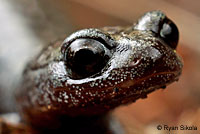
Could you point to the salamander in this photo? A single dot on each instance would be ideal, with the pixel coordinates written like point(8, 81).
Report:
point(74, 83)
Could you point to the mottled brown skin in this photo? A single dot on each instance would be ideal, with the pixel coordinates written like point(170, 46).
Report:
point(130, 63)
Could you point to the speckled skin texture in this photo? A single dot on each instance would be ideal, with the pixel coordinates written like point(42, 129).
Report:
point(141, 59)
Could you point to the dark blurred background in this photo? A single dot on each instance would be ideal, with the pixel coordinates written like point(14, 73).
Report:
point(26, 26)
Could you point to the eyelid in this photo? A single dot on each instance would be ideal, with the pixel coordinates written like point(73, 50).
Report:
point(91, 33)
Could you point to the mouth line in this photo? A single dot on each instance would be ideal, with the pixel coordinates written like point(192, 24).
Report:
point(139, 81)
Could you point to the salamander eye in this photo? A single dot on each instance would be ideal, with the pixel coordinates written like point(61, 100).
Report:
point(85, 57)
point(169, 33)
point(160, 25)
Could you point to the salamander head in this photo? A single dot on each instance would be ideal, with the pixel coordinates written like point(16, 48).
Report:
point(99, 69)
point(96, 70)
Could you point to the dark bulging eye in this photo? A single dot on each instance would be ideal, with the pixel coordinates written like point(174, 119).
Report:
point(161, 26)
point(169, 33)
point(85, 57)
